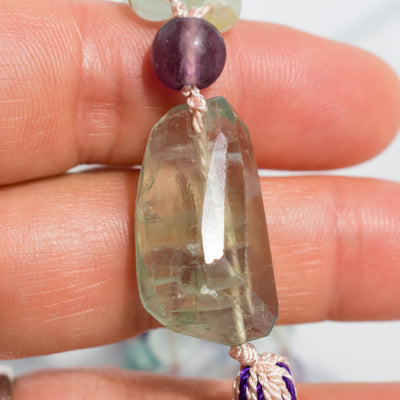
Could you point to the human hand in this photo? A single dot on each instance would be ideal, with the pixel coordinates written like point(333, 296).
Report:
point(77, 87)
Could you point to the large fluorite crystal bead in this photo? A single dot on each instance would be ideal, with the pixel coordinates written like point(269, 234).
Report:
point(203, 259)
point(223, 14)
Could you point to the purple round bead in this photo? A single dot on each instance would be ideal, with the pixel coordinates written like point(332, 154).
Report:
point(188, 51)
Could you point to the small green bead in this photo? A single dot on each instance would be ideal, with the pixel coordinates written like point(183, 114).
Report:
point(152, 10)
point(223, 15)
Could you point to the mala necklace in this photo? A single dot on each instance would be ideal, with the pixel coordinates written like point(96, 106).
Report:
point(203, 259)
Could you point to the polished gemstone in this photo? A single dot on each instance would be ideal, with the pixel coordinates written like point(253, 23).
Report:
point(223, 15)
point(188, 51)
point(202, 253)
point(152, 10)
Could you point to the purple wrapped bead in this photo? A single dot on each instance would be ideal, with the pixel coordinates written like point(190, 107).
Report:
point(188, 51)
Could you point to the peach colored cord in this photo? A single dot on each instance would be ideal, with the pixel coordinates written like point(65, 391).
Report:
point(195, 100)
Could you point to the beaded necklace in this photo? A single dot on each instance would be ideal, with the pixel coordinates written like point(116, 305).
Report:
point(203, 259)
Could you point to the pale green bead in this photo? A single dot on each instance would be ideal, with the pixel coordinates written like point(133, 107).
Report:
point(152, 10)
point(224, 13)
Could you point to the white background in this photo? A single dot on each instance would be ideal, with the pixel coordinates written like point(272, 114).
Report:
point(346, 351)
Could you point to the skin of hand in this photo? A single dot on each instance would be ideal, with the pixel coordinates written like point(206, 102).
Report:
point(77, 87)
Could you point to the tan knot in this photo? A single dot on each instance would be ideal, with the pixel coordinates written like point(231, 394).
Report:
point(196, 100)
point(200, 12)
point(197, 106)
point(178, 9)
point(246, 354)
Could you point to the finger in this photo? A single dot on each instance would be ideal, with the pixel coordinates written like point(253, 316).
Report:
point(119, 385)
point(67, 257)
point(78, 87)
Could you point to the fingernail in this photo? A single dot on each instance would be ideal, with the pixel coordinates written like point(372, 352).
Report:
point(6, 379)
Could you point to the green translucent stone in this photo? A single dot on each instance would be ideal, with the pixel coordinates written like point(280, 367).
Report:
point(224, 13)
point(152, 10)
point(203, 259)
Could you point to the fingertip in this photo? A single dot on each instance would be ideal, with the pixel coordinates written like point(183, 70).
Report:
point(378, 104)
point(89, 94)
point(310, 103)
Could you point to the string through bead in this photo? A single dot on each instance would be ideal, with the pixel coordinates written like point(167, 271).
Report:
point(200, 12)
point(195, 100)
point(261, 377)
point(178, 10)
point(197, 106)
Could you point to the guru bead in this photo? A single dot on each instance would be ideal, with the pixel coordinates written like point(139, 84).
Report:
point(188, 51)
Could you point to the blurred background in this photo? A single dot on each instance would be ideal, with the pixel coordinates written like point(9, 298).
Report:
point(322, 352)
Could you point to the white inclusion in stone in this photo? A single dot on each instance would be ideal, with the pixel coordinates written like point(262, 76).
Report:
point(205, 290)
point(213, 218)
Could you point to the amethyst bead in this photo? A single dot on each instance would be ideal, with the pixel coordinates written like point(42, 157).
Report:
point(188, 51)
